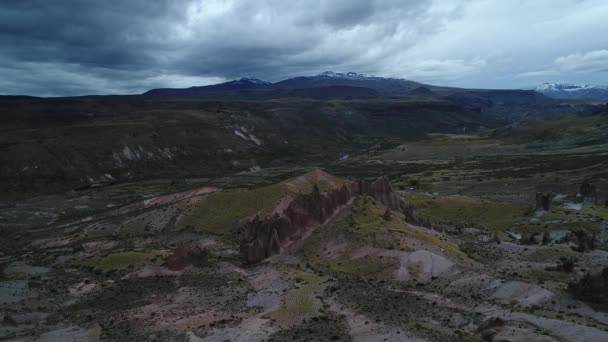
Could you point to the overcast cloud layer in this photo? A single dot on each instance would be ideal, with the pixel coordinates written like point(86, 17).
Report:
point(74, 47)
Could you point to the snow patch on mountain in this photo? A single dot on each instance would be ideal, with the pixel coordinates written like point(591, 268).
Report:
point(566, 90)
point(347, 75)
point(250, 80)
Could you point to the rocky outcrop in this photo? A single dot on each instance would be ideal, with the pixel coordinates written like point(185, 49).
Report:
point(584, 240)
point(545, 238)
point(531, 239)
point(565, 264)
point(592, 287)
point(382, 191)
point(581, 240)
point(587, 193)
point(543, 200)
point(266, 235)
point(184, 256)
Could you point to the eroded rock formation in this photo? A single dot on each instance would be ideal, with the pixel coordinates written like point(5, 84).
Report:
point(266, 235)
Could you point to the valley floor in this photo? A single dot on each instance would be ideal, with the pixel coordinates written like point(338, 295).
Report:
point(481, 258)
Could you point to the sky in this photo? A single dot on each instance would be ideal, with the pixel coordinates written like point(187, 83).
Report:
point(77, 47)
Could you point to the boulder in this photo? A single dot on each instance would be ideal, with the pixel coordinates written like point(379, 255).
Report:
point(184, 256)
point(490, 327)
point(387, 214)
point(488, 334)
point(592, 287)
point(566, 265)
point(584, 239)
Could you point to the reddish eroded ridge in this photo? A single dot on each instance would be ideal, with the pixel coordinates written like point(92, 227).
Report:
point(302, 211)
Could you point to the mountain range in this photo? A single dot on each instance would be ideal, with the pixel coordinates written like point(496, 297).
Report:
point(504, 104)
point(572, 91)
point(384, 86)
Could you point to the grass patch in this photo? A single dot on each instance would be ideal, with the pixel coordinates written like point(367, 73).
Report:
point(466, 211)
point(439, 332)
point(598, 211)
point(320, 329)
point(306, 186)
point(367, 221)
point(547, 276)
point(547, 254)
point(221, 210)
point(133, 228)
point(117, 261)
point(545, 226)
point(360, 266)
point(448, 247)
point(480, 253)
point(571, 317)
point(298, 303)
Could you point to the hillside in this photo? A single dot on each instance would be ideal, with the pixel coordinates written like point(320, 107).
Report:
point(208, 220)
point(291, 260)
point(50, 145)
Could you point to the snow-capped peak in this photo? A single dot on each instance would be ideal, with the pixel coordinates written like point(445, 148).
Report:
point(245, 80)
point(347, 75)
point(567, 86)
point(567, 90)
point(551, 86)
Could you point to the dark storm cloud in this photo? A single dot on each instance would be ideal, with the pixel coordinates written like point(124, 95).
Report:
point(270, 39)
point(95, 46)
point(94, 33)
point(69, 47)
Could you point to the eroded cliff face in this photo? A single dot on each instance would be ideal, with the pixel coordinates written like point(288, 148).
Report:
point(382, 191)
point(268, 235)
